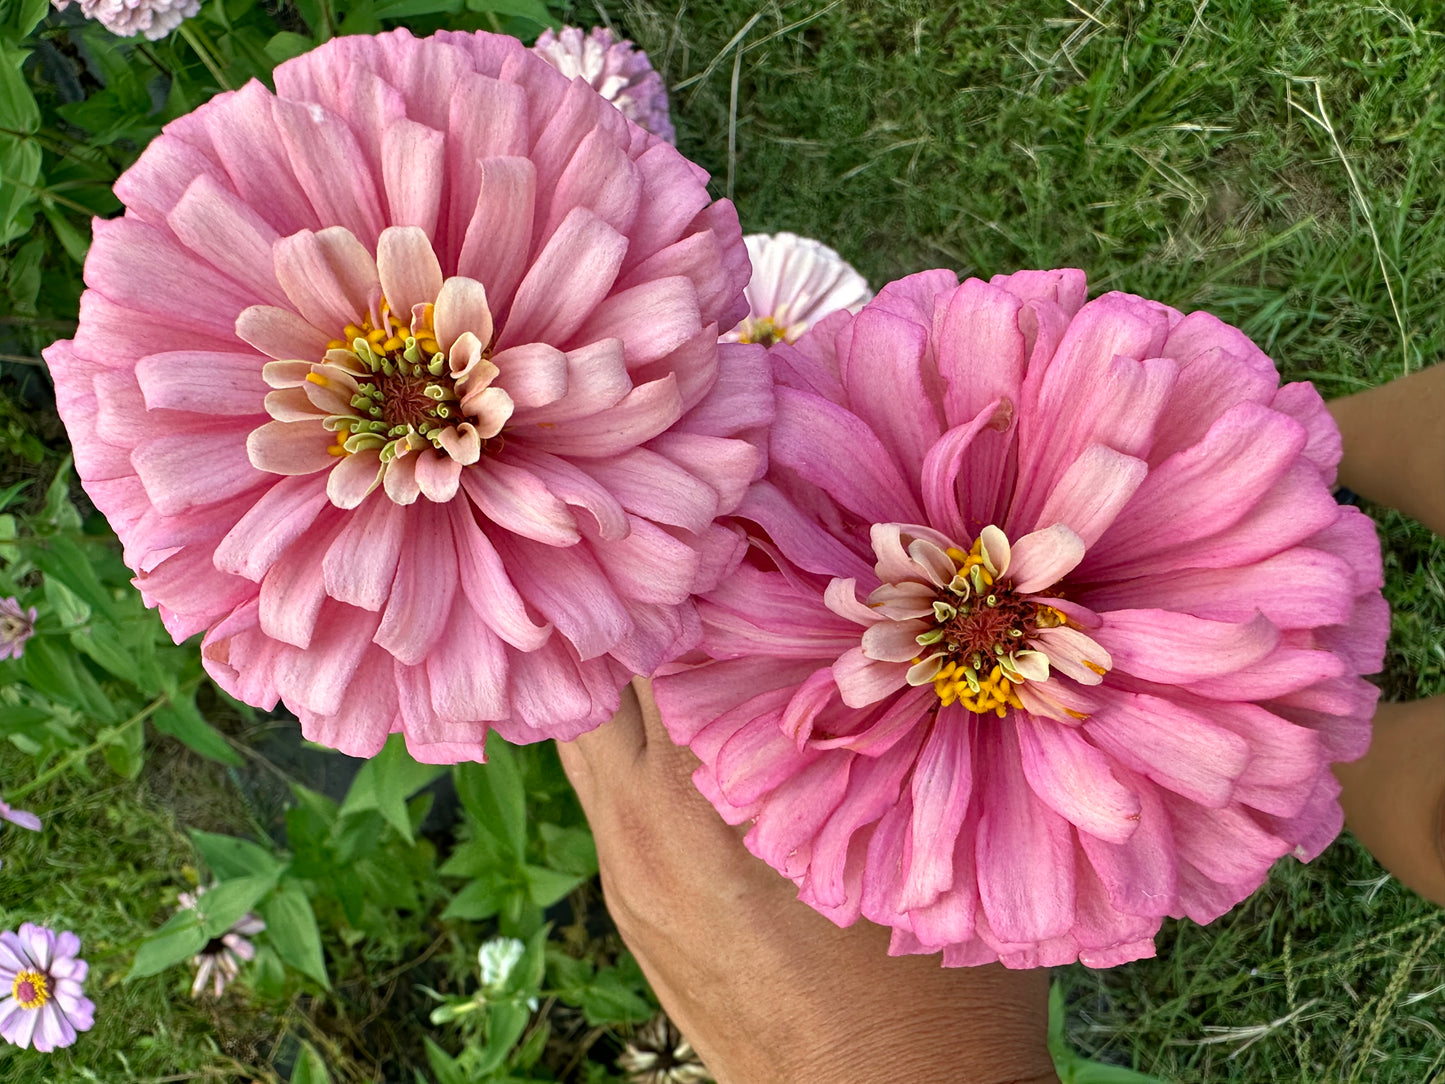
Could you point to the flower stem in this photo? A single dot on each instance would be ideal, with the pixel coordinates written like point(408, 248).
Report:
point(107, 737)
point(203, 50)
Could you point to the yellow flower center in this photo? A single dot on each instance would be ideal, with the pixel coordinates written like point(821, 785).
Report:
point(31, 989)
point(763, 330)
point(980, 628)
point(405, 387)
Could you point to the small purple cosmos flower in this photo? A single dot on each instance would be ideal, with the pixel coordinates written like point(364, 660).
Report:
point(40, 976)
point(220, 959)
point(16, 626)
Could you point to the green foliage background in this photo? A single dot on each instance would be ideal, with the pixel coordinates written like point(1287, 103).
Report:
point(1279, 164)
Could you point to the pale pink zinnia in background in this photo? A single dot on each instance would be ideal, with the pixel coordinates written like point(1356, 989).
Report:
point(41, 1002)
point(796, 281)
point(17, 625)
point(616, 69)
point(220, 959)
point(1053, 628)
point(403, 386)
point(126, 18)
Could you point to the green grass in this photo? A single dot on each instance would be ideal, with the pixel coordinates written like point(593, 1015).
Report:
point(1279, 164)
point(108, 865)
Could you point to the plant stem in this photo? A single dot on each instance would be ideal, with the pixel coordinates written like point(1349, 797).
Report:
point(108, 737)
point(203, 50)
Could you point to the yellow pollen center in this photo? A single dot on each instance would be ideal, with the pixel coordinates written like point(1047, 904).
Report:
point(981, 632)
point(31, 989)
point(764, 330)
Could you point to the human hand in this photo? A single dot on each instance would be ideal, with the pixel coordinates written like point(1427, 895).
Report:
point(768, 990)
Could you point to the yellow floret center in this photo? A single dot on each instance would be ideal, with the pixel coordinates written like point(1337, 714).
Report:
point(31, 989)
point(981, 626)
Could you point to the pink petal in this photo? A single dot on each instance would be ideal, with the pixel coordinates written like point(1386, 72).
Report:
point(461, 306)
point(421, 594)
point(567, 279)
point(487, 586)
point(290, 447)
point(1025, 851)
point(1173, 648)
point(499, 230)
point(1180, 749)
point(863, 681)
point(329, 276)
point(1090, 493)
point(1041, 559)
point(518, 500)
point(942, 785)
point(1074, 779)
point(835, 450)
point(280, 333)
point(408, 269)
point(411, 157)
point(360, 565)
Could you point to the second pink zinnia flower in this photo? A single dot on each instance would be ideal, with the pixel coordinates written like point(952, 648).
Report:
point(1054, 628)
point(402, 384)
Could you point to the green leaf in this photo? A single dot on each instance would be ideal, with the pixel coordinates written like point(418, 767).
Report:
point(480, 857)
point(547, 886)
point(285, 45)
point(506, 1020)
point(291, 929)
point(447, 1069)
point(310, 1068)
point(180, 938)
point(230, 857)
point(24, 17)
point(535, 10)
point(20, 166)
point(59, 510)
point(480, 899)
point(386, 781)
point(224, 905)
point(407, 9)
point(75, 243)
point(63, 559)
point(570, 850)
point(493, 794)
point(182, 720)
point(124, 749)
point(1074, 1068)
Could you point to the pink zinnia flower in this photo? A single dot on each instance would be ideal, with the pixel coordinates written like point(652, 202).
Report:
point(796, 281)
point(126, 18)
point(403, 385)
point(220, 958)
point(615, 69)
point(40, 977)
point(1059, 629)
point(16, 626)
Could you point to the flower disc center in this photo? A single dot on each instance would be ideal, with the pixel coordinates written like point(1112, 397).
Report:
point(31, 989)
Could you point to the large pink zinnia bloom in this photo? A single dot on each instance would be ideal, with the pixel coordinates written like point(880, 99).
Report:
point(402, 384)
point(1059, 629)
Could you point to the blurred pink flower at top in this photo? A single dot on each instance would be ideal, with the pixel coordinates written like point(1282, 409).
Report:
point(17, 625)
point(126, 18)
point(796, 281)
point(616, 69)
point(41, 1003)
point(402, 384)
point(1053, 627)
